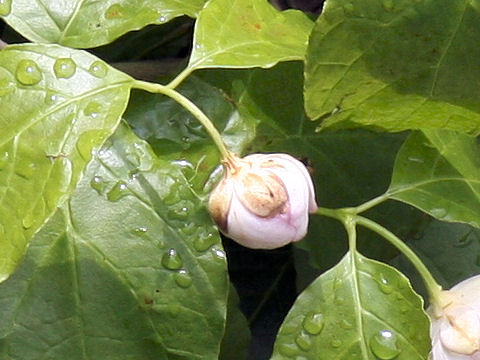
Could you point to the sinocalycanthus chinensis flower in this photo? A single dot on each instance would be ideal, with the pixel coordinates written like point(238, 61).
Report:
point(263, 200)
point(455, 324)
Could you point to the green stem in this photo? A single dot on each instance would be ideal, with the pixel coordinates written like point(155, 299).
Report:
point(179, 78)
point(370, 204)
point(193, 109)
point(432, 286)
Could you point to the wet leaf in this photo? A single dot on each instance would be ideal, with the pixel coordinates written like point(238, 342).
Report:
point(438, 171)
point(248, 33)
point(58, 105)
point(395, 65)
point(130, 268)
point(82, 24)
point(360, 309)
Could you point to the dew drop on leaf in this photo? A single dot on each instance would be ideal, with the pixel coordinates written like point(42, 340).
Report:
point(204, 242)
point(439, 212)
point(98, 69)
point(28, 220)
point(383, 284)
point(384, 345)
point(162, 19)
point(6, 87)
point(114, 12)
point(98, 184)
point(183, 278)
point(388, 5)
point(4, 159)
point(5, 7)
point(304, 341)
point(220, 254)
point(288, 350)
point(92, 109)
point(118, 191)
point(28, 72)
point(313, 323)
point(171, 260)
point(349, 8)
point(64, 68)
point(336, 343)
point(25, 170)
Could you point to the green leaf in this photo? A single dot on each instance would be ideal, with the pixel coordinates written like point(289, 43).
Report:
point(395, 65)
point(360, 309)
point(58, 105)
point(101, 279)
point(438, 171)
point(247, 33)
point(176, 135)
point(83, 24)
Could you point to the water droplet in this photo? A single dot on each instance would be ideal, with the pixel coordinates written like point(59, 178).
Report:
point(4, 159)
point(337, 283)
point(114, 12)
point(5, 7)
point(141, 231)
point(171, 260)
point(64, 68)
point(304, 341)
point(118, 191)
point(28, 220)
point(6, 86)
point(336, 343)
point(347, 325)
point(25, 170)
point(384, 345)
point(388, 5)
point(313, 323)
point(349, 8)
point(92, 109)
point(162, 19)
point(98, 69)
point(220, 254)
point(438, 212)
point(287, 349)
point(183, 278)
point(415, 160)
point(339, 300)
point(383, 284)
point(28, 72)
point(99, 184)
point(180, 210)
point(203, 243)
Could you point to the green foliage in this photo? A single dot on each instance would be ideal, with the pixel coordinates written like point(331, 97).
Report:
point(129, 268)
point(395, 65)
point(106, 247)
point(58, 105)
point(359, 309)
point(83, 24)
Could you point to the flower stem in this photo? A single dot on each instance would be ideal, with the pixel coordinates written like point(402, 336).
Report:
point(434, 289)
point(193, 109)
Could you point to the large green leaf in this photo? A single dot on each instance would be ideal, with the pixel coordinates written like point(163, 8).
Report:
point(84, 24)
point(395, 65)
point(438, 171)
point(248, 33)
point(130, 268)
point(57, 105)
point(361, 309)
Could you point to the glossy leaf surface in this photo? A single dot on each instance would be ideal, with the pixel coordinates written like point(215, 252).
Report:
point(84, 24)
point(438, 171)
point(130, 268)
point(395, 65)
point(248, 33)
point(360, 309)
point(57, 106)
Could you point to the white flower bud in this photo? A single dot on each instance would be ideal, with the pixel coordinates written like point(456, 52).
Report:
point(455, 324)
point(263, 200)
